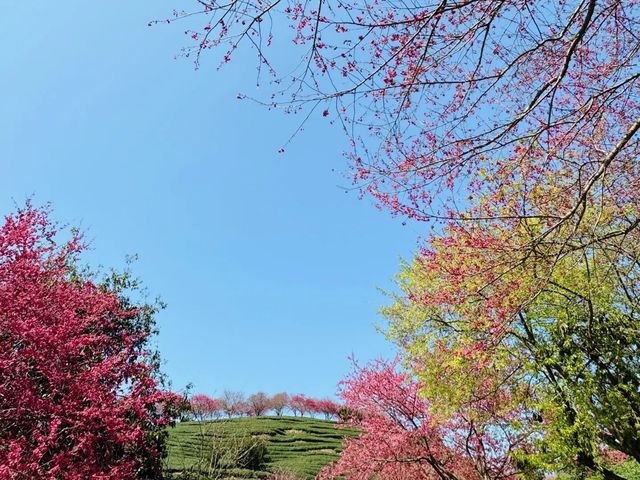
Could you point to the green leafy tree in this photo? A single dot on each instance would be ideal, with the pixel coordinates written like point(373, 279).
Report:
point(560, 335)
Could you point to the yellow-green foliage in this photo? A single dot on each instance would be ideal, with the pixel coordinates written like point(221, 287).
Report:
point(562, 339)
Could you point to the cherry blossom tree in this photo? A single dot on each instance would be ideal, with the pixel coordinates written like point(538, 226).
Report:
point(512, 116)
point(574, 342)
point(279, 402)
point(314, 406)
point(80, 395)
point(470, 95)
point(402, 438)
point(311, 405)
point(203, 407)
point(233, 403)
point(258, 404)
point(328, 408)
point(298, 404)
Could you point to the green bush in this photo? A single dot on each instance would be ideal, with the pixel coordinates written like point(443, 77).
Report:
point(251, 453)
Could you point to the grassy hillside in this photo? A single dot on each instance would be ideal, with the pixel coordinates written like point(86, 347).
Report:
point(299, 445)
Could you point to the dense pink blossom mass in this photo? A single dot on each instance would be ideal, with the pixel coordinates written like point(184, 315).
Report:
point(78, 395)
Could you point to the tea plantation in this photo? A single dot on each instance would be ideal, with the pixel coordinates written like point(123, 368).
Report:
point(251, 448)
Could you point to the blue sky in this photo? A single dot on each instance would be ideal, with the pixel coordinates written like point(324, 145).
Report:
point(270, 270)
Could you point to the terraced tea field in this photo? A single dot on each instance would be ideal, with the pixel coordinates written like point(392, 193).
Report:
point(298, 445)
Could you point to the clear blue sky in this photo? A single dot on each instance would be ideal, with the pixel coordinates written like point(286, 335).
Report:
point(269, 269)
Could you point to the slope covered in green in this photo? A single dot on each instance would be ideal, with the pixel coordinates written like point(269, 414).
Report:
point(252, 447)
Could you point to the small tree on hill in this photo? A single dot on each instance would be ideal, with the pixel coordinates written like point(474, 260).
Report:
point(311, 406)
point(258, 404)
point(298, 404)
point(203, 407)
point(233, 403)
point(279, 402)
point(328, 408)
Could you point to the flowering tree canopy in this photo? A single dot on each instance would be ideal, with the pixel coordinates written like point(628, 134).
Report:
point(569, 335)
point(471, 94)
point(508, 115)
point(279, 402)
point(233, 403)
point(403, 438)
point(79, 392)
point(203, 407)
point(258, 404)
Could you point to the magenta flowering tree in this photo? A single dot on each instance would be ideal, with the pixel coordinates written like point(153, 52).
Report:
point(403, 438)
point(204, 407)
point(299, 404)
point(233, 403)
point(324, 406)
point(514, 122)
point(80, 397)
